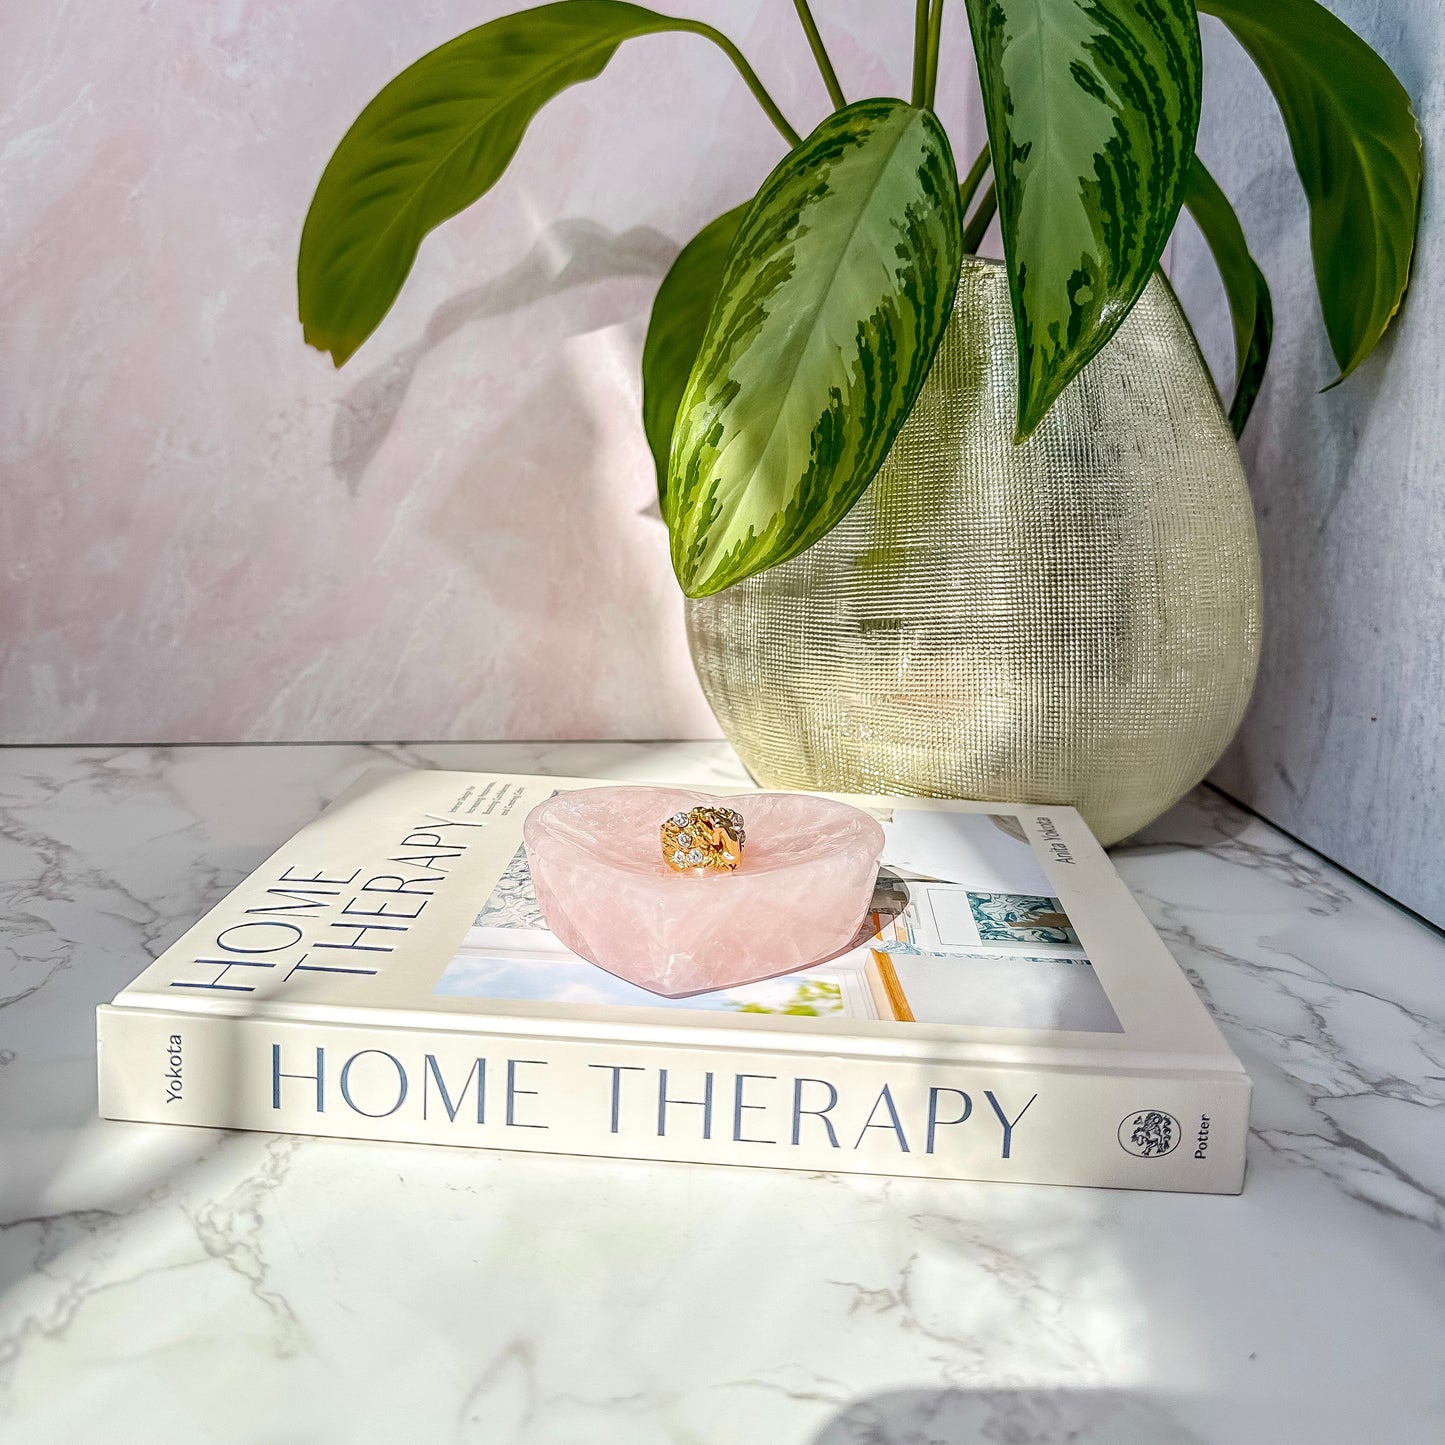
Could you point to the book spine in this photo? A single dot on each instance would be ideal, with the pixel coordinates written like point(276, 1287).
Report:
point(758, 1104)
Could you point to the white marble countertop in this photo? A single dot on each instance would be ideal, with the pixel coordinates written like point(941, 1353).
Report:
point(179, 1285)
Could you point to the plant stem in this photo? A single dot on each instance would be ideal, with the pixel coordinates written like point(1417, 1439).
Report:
point(749, 75)
point(969, 185)
point(920, 49)
point(973, 232)
point(935, 27)
point(820, 54)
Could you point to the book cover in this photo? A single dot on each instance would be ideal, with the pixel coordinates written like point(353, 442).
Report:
point(1005, 1012)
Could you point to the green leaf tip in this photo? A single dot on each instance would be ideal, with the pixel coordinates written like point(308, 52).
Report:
point(1092, 109)
point(1359, 153)
point(675, 331)
point(834, 298)
point(1245, 288)
point(437, 138)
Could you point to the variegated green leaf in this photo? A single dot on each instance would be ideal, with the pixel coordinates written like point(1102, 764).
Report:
point(1092, 109)
point(1358, 151)
point(1244, 286)
point(675, 332)
point(835, 297)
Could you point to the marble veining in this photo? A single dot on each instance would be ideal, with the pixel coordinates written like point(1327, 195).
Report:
point(192, 1285)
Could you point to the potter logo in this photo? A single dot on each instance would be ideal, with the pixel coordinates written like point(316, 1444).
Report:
point(1149, 1133)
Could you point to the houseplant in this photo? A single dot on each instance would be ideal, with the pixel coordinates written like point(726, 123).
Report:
point(794, 335)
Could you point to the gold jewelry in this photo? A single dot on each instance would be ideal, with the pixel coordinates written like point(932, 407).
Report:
point(703, 840)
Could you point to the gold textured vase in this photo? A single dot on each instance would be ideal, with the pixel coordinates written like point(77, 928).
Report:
point(1075, 620)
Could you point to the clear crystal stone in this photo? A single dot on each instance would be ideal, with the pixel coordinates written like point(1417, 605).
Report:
point(679, 818)
point(695, 856)
point(678, 856)
point(684, 839)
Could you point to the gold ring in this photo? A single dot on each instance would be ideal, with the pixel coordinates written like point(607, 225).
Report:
point(703, 840)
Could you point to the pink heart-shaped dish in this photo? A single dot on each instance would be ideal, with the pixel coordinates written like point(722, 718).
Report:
point(803, 887)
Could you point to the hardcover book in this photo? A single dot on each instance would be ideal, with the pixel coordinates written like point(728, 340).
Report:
point(1005, 1011)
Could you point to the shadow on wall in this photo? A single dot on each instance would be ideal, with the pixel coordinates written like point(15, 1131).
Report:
point(568, 254)
point(1302, 452)
point(1343, 726)
point(990, 1417)
point(1300, 424)
point(546, 459)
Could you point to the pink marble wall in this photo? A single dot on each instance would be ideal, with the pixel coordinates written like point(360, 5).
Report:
point(210, 534)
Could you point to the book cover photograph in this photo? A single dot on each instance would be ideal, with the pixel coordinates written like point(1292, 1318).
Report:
point(998, 1007)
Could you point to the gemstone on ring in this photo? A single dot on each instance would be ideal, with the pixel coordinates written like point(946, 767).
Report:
point(706, 839)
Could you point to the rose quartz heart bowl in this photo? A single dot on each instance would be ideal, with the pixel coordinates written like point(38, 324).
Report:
point(803, 887)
